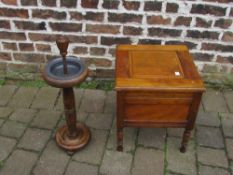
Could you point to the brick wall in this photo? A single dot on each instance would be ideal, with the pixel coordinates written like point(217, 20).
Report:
point(28, 29)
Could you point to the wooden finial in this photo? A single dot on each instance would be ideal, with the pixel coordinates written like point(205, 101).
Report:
point(62, 44)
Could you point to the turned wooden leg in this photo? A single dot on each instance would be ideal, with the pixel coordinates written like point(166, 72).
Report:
point(119, 139)
point(191, 121)
point(185, 140)
point(70, 113)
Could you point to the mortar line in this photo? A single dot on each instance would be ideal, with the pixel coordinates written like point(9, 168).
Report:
point(17, 141)
point(196, 149)
point(105, 148)
point(225, 145)
point(165, 170)
point(45, 146)
point(135, 149)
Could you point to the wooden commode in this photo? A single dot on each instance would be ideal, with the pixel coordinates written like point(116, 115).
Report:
point(157, 86)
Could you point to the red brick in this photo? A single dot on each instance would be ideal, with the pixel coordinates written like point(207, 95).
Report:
point(200, 22)
point(29, 57)
point(23, 68)
point(49, 3)
point(190, 45)
point(5, 24)
point(26, 47)
point(69, 3)
point(131, 5)
point(12, 35)
point(20, 13)
point(89, 3)
point(152, 6)
point(28, 25)
point(227, 36)
point(158, 20)
point(66, 27)
point(9, 2)
point(76, 15)
point(172, 7)
point(204, 34)
point(29, 2)
point(202, 56)
point(99, 62)
point(208, 9)
point(105, 73)
point(97, 51)
point(111, 4)
point(149, 41)
point(5, 56)
point(91, 16)
point(46, 14)
point(42, 37)
point(183, 21)
point(83, 39)
point(101, 28)
point(43, 47)
point(216, 47)
point(128, 30)
point(80, 50)
point(225, 60)
point(9, 46)
point(223, 23)
point(72, 38)
point(124, 17)
point(163, 32)
point(113, 40)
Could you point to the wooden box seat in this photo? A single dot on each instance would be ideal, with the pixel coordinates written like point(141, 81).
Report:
point(157, 86)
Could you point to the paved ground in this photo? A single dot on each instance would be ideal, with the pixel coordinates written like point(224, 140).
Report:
point(30, 116)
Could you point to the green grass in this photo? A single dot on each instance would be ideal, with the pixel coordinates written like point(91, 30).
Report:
point(95, 84)
point(2, 82)
point(30, 83)
point(1, 164)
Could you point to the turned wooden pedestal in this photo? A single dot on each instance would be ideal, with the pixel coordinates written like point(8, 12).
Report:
point(65, 72)
point(157, 86)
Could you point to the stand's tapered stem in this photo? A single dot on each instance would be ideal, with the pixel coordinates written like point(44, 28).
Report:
point(70, 112)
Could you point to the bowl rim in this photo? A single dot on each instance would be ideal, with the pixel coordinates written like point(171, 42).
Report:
point(57, 60)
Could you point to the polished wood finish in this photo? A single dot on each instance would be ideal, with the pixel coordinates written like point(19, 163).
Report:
point(72, 136)
point(70, 112)
point(65, 83)
point(157, 86)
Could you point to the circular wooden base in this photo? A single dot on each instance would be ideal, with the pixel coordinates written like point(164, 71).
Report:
point(73, 143)
point(182, 149)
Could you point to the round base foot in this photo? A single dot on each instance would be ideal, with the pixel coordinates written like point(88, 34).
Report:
point(119, 148)
point(73, 143)
point(182, 149)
